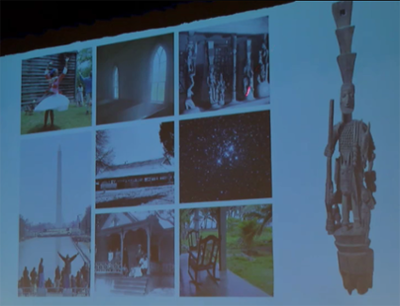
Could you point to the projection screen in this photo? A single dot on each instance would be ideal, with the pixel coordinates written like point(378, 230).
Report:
point(243, 160)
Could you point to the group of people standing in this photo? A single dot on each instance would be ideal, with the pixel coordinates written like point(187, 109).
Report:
point(30, 282)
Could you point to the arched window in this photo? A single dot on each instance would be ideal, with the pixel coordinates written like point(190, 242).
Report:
point(115, 83)
point(159, 76)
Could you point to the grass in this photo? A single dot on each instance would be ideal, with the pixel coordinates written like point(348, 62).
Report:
point(259, 271)
point(74, 117)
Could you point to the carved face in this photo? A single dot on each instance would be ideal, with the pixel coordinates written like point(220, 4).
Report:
point(347, 99)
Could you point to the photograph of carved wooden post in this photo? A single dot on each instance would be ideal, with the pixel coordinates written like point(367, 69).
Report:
point(248, 79)
point(262, 78)
point(224, 66)
point(234, 52)
point(354, 177)
point(190, 107)
point(211, 79)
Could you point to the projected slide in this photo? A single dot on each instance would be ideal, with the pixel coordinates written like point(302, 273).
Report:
point(202, 133)
point(55, 216)
point(224, 66)
point(225, 158)
point(135, 253)
point(135, 165)
point(56, 92)
point(135, 80)
point(237, 239)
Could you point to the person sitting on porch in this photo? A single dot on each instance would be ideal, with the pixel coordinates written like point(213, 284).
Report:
point(143, 264)
point(136, 272)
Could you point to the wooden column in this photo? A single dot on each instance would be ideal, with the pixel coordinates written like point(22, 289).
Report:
point(222, 238)
point(148, 231)
point(122, 236)
point(234, 55)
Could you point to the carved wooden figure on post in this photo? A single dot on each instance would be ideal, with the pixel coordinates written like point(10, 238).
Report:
point(353, 174)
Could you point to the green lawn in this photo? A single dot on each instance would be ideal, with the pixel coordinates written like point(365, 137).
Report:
point(74, 117)
point(257, 268)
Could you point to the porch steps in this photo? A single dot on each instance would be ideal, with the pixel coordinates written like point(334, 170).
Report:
point(130, 285)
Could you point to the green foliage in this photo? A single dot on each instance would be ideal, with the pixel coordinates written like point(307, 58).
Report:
point(232, 225)
point(248, 230)
point(167, 137)
point(84, 55)
point(74, 117)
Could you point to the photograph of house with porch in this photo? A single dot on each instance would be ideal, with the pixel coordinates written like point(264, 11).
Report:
point(135, 165)
point(226, 251)
point(135, 253)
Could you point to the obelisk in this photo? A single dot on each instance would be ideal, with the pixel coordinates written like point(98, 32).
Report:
point(59, 189)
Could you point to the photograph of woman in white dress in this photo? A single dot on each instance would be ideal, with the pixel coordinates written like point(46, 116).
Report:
point(53, 100)
point(52, 92)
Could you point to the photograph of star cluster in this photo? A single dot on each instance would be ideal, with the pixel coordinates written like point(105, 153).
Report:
point(225, 158)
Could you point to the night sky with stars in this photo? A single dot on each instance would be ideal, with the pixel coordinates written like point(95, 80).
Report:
point(225, 158)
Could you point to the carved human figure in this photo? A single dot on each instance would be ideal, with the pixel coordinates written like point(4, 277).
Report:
point(221, 90)
point(263, 63)
point(354, 184)
point(212, 84)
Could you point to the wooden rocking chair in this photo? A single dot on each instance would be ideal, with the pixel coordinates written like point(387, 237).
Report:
point(193, 240)
point(204, 258)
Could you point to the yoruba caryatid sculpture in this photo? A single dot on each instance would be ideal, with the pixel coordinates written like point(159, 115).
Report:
point(191, 70)
point(353, 176)
point(262, 78)
point(248, 79)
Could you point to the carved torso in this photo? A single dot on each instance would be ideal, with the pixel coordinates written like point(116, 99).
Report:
point(351, 169)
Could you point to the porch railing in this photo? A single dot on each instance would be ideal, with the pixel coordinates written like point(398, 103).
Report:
point(106, 267)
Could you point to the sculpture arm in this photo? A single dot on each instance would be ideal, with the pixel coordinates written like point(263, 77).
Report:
point(368, 156)
point(73, 257)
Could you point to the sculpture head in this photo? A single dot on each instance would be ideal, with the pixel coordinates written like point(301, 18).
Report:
point(347, 98)
point(67, 257)
point(41, 259)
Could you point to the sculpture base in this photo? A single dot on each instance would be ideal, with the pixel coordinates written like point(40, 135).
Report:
point(192, 110)
point(216, 106)
point(356, 259)
point(263, 90)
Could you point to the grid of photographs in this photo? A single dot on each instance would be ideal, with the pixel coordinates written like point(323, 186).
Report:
point(175, 156)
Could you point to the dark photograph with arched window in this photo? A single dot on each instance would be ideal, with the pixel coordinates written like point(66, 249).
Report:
point(224, 66)
point(135, 80)
point(135, 254)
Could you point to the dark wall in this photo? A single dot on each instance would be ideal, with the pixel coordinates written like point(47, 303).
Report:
point(74, 31)
point(134, 62)
point(34, 84)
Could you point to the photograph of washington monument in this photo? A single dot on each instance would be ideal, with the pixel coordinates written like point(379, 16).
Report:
point(55, 216)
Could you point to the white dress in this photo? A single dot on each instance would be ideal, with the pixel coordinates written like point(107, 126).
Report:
point(56, 101)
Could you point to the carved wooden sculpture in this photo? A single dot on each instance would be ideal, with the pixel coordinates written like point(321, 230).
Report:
point(353, 175)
